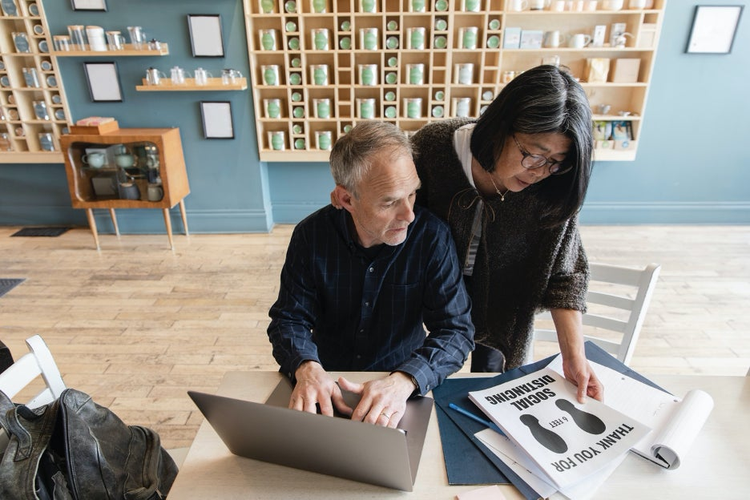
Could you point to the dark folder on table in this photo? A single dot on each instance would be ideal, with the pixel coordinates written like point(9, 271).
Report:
point(467, 460)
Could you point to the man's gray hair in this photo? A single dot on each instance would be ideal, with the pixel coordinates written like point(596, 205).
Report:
point(351, 157)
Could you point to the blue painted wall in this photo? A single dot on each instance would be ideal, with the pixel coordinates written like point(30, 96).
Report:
point(693, 163)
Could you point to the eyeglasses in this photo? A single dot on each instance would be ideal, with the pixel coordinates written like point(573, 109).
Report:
point(531, 162)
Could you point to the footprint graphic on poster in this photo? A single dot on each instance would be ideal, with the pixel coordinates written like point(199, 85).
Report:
point(545, 437)
point(585, 421)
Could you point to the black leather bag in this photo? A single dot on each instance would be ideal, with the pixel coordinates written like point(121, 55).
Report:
point(75, 449)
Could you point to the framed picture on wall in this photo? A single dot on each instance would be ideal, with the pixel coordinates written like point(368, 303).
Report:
point(217, 119)
point(89, 4)
point(714, 28)
point(206, 38)
point(104, 81)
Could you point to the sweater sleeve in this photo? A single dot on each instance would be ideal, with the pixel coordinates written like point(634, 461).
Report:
point(569, 278)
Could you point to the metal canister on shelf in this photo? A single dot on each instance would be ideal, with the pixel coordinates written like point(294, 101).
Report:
point(268, 39)
point(366, 108)
point(369, 6)
point(415, 38)
point(271, 74)
point(5, 143)
point(31, 77)
point(368, 74)
point(277, 140)
point(470, 5)
point(321, 38)
point(415, 74)
point(272, 108)
point(467, 37)
point(41, 110)
point(319, 74)
point(463, 73)
point(461, 106)
point(323, 139)
point(319, 6)
point(322, 108)
point(413, 107)
point(46, 141)
point(368, 39)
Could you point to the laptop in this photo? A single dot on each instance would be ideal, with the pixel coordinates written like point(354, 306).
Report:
point(335, 446)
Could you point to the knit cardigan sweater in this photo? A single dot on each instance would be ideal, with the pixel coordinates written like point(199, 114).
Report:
point(521, 268)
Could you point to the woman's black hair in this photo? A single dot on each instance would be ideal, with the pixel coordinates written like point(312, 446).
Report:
point(541, 100)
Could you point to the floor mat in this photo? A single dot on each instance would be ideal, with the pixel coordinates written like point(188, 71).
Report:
point(41, 231)
point(8, 284)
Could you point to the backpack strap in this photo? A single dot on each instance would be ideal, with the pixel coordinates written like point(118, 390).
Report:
point(5, 406)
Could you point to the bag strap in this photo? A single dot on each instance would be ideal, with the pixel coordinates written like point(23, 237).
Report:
point(5, 406)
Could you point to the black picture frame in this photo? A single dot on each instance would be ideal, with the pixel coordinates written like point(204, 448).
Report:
point(714, 29)
point(96, 5)
point(206, 36)
point(103, 81)
point(217, 119)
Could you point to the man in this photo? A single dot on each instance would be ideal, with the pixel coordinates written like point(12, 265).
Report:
point(358, 285)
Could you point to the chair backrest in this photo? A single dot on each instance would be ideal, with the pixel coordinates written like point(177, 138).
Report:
point(27, 368)
point(624, 291)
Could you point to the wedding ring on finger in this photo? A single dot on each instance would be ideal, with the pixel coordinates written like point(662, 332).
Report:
point(386, 416)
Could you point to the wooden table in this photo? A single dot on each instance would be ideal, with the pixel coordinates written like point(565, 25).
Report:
point(717, 466)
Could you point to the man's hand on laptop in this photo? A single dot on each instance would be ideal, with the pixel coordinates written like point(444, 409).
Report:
point(383, 401)
point(315, 386)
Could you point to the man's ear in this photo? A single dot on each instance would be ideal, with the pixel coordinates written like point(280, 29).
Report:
point(341, 198)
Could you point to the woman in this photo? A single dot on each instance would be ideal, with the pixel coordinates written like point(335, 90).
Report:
point(510, 185)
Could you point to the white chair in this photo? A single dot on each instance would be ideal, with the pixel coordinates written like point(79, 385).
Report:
point(622, 291)
point(38, 362)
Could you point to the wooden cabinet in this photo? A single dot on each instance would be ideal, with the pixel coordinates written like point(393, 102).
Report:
point(33, 109)
point(126, 168)
point(319, 66)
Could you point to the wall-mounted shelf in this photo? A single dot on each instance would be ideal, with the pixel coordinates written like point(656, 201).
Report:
point(287, 44)
point(31, 157)
point(214, 84)
point(128, 51)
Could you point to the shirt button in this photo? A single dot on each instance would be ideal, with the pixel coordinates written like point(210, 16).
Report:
point(372, 269)
point(367, 304)
point(362, 331)
point(359, 356)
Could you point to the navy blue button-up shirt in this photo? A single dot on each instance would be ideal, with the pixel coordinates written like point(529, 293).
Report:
point(351, 312)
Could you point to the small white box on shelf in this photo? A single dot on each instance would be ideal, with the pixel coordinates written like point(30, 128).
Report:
point(531, 39)
point(512, 38)
point(647, 36)
point(625, 70)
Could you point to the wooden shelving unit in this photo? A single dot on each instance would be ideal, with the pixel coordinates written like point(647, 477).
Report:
point(292, 47)
point(128, 51)
point(157, 160)
point(27, 78)
point(213, 84)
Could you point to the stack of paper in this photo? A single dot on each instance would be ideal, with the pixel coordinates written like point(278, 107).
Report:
point(557, 439)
